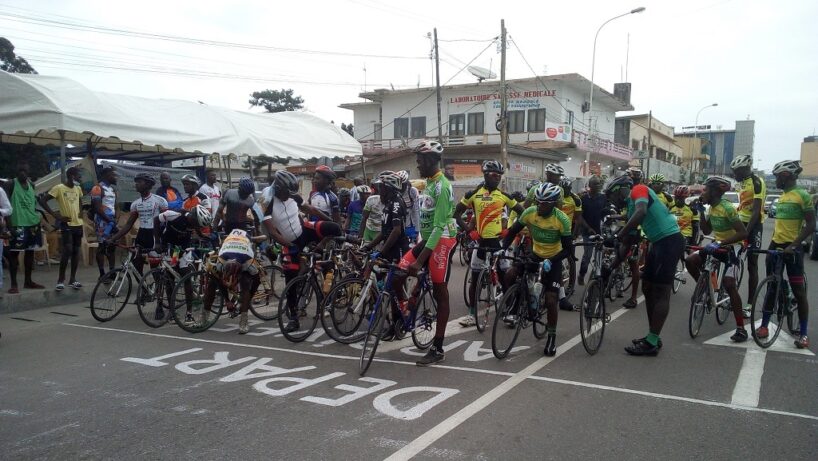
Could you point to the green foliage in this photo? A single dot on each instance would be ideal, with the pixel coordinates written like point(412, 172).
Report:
point(276, 101)
point(348, 128)
point(10, 62)
point(13, 154)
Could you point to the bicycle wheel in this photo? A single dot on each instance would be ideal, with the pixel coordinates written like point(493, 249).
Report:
point(152, 298)
point(627, 277)
point(793, 321)
point(264, 304)
point(486, 297)
point(347, 305)
point(467, 278)
point(724, 309)
point(679, 277)
point(507, 323)
point(110, 295)
point(188, 296)
point(423, 333)
point(373, 334)
point(614, 288)
point(308, 294)
point(592, 317)
point(766, 303)
point(698, 304)
point(462, 251)
point(538, 325)
point(566, 277)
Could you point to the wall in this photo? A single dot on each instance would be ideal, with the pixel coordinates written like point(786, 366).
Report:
point(745, 137)
point(809, 157)
point(365, 119)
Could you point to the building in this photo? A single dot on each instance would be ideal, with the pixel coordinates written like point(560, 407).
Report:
point(655, 144)
point(809, 157)
point(545, 122)
point(694, 154)
point(722, 146)
point(745, 137)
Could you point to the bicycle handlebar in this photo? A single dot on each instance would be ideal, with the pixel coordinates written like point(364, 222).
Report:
point(699, 248)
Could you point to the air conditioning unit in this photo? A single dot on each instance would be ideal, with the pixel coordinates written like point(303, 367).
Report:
point(622, 91)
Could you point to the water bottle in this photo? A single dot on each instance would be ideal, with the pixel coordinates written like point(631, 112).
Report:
point(536, 292)
point(533, 294)
point(380, 285)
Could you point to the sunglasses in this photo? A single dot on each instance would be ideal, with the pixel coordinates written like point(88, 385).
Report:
point(494, 175)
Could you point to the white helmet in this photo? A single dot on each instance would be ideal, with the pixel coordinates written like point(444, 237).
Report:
point(364, 189)
point(792, 167)
point(553, 168)
point(391, 180)
point(428, 147)
point(547, 192)
point(203, 216)
point(742, 161)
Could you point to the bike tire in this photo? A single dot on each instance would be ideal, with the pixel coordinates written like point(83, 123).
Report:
point(373, 335)
point(698, 305)
point(340, 320)
point(740, 272)
point(467, 277)
point(308, 292)
point(462, 251)
point(151, 298)
point(679, 277)
point(756, 315)
point(627, 277)
point(486, 293)
point(202, 319)
point(724, 310)
point(265, 306)
point(423, 332)
point(504, 336)
point(108, 299)
point(592, 317)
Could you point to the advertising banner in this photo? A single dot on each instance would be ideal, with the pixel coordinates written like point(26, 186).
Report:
point(557, 132)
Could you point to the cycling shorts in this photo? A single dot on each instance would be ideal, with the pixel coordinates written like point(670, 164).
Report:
point(754, 236)
point(661, 260)
point(478, 255)
point(729, 259)
point(794, 263)
point(439, 263)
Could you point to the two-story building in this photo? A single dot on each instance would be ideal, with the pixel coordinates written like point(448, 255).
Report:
point(655, 144)
point(545, 124)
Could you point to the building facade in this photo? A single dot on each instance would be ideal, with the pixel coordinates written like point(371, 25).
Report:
point(721, 146)
point(654, 142)
point(809, 157)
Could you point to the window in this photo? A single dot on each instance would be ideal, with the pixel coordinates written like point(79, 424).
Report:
point(634, 144)
point(516, 121)
point(476, 123)
point(378, 131)
point(536, 120)
point(401, 128)
point(456, 123)
point(418, 127)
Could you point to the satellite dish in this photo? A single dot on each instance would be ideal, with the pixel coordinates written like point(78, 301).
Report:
point(481, 73)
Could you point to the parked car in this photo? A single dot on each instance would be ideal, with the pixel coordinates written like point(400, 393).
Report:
point(769, 201)
point(731, 197)
point(771, 209)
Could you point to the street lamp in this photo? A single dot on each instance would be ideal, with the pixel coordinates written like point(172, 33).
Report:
point(696, 127)
point(593, 68)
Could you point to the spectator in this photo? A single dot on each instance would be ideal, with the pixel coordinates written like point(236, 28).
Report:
point(594, 206)
point(359, 181)
point(212, 190)
point(26, 234)
point(103, 207)
point(68, 196)
point(169, 193)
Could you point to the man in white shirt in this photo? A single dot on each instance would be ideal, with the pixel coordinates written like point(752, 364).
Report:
point(212, 190)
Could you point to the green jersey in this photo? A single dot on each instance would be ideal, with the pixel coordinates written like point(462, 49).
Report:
point(436, 208)
point(658, 222)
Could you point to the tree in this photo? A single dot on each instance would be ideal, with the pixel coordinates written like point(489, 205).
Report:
point(276, 101)
point(10, 62)
point(348, 129)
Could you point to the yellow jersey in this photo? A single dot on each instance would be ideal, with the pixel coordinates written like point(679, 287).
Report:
point(751, 188)
point(792, 206)
point(546, 231)
point(685, 217)
point(488, 210)
point(722, 216)
point(571, 205)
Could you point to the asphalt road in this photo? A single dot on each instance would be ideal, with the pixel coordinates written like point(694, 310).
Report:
point(72, 388)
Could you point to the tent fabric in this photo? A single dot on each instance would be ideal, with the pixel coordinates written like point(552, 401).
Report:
point(34, 108)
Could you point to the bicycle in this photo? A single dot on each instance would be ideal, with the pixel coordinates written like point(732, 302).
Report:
point(709, 293)
point(488, 291)
point(113, 289)
point(348, 303)
point(778, 301)
point(466, 246)
point(421, 326)
point(593, 315)
point(520, 306)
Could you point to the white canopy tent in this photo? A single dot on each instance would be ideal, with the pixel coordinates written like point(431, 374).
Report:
point(55, 110)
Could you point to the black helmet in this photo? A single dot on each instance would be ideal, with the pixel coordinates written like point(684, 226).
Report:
point(145, 177)
point(617, 183)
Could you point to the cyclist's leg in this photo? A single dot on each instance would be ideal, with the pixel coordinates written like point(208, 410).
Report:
point(754, 238)
point(657, 285)
point(552, 283)
point(798, 284)
point(440, 264)
point(587, 252)
point(729, 282)
point(694, 263)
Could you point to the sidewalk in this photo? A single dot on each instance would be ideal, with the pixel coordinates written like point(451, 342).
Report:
point(48, 297)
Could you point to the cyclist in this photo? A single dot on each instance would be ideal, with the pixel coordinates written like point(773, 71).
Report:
point(355, 211)
point(724, 223)
point(212, 190)
point(635, 174)
point(103, 206)
point(572, 207)
point(488, 202)
point(687, 219)
point(191, 185)
point(438, 242)
point(550, 231)
point(344, 199)
point(667, 245)
point(410, 196)
point(236, 205)
point(144, 208)
point(594, 209)
point(752, 194)
point(323, 203)
point(794, 223)
point(657, 183)
point(373, 213)
point(633, 261)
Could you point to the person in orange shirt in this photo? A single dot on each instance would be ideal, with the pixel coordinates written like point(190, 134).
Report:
point(169, 193)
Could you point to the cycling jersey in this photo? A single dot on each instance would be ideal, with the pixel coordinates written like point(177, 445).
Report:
point(285, 218)
point(177, 231)
point(148, 208)
point(751, 188)
point(198, 198)
point(237, 246)
point(546, 231)
point(326, 202)
point(685, 217)
point(571, 205)
point(722, 216)
point(214, 193)
point(658, 222)
point(793, 204)
point(394, 214)
point(665, 198)
point(105, 193)
point(436, 207)
point(488, 210)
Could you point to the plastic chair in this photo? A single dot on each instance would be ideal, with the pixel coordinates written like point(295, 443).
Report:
point(89, 241)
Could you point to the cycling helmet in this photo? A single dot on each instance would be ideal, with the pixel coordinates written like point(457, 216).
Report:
point(325, 171)
point(191, 178)
point(145, 177)
point(792, 167)
point(658, 178)
point(493, 166)
point(404, 174)
point(617, 183)
point(363, 190)
point(634, 172)
point(742, 161)
point(246, 185)
point(202, 215)
point(553, 168)
point(567, 182)
point(344, 192)
point(391, 180)
point(718, 182)
point(681, 192)
point(285, 179)
point(531, 184)
point(547, 192)
point(428, 147)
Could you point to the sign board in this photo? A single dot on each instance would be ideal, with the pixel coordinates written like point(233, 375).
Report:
point(641, 154)
point(557, 132)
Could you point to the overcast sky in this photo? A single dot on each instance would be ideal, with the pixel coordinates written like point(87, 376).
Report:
point(756, 59)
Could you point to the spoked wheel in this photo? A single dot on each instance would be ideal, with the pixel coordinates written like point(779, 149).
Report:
point(592, 317)
point(152, 298)
point(264, 304)
point(566, 277)
point(679, 278)
point(345, 308)
point(486, 299)
point(188, 297)
point(539, 322)
point(110, 295)
point(303, 314)
point(627, 276)
point(615, 285)
point(467, 278)
point(698, 304)
point(765, 303)
point(724, 309)
point(464, 247)
point(508, 322)
point(425, 321)
point(373, 334)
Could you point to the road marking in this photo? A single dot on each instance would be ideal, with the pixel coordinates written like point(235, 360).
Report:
point(784, 343)
point(748, 385)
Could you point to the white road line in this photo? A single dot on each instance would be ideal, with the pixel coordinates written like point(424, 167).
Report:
point(748, 385)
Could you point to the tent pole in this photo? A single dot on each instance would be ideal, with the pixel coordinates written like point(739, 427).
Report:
point(62, 155)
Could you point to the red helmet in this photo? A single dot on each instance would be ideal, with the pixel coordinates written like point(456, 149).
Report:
point(681, 192)
point(325, 171)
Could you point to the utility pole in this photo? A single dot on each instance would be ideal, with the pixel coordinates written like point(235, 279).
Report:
point(503, 99)
point(650, 127)
point(437, 85)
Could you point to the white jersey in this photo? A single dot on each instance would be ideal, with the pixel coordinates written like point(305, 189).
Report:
point(375, 208)
point(286, 219)
point(237, 246)
point(148, 208)
point(214, 193)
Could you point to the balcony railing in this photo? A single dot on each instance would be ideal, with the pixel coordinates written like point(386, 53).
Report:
point(602, 146)
point(455, 140)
